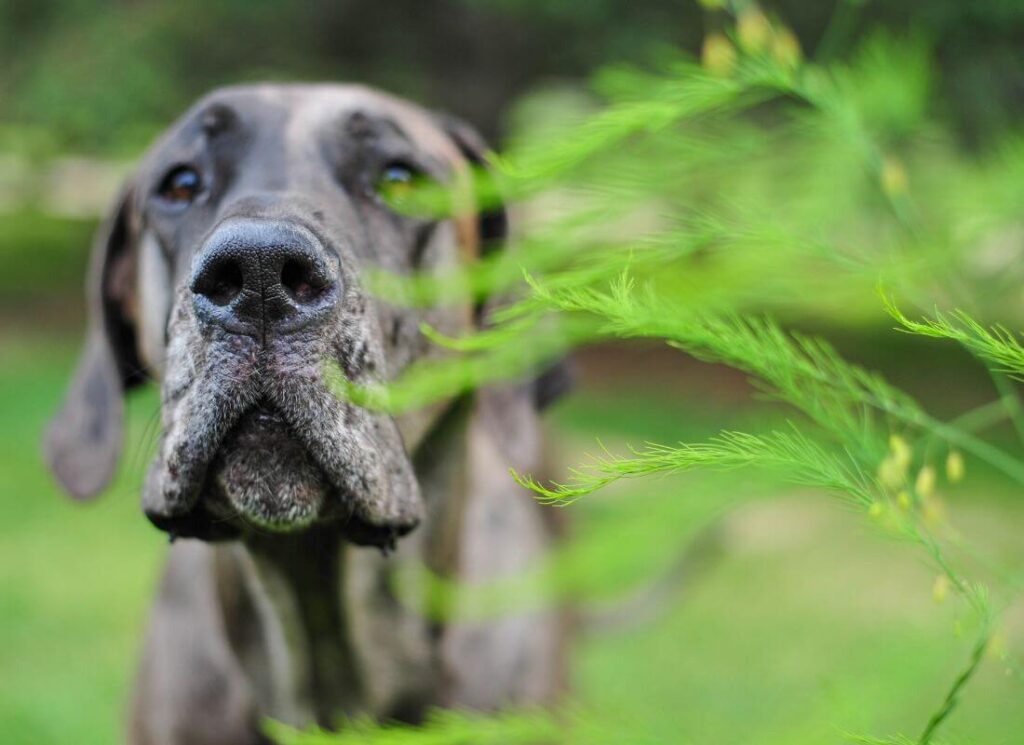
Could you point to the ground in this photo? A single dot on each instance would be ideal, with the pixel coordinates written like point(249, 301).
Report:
point(802, 623)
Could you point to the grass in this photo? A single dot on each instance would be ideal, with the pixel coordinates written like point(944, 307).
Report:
point(808, 628)
point(807, 623)
point(74, 579)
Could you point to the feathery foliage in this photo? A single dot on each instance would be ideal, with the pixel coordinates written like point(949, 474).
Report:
point(997, 345)
point(703, 201)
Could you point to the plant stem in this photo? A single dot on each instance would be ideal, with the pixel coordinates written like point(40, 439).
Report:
point(952, 698)
point(1009, 399)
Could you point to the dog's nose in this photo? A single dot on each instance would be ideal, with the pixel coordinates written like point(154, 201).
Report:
point(260, 276)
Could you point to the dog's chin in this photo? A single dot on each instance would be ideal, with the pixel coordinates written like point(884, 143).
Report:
point(265, 476)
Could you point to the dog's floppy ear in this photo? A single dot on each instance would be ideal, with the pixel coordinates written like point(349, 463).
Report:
point(493, 221)
point(84, 439)
point(557, 379)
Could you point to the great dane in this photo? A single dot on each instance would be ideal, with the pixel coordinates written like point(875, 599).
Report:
point(233, 271)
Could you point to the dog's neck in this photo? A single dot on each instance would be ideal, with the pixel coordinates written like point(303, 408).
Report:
point(306, 587)
point(300, 578)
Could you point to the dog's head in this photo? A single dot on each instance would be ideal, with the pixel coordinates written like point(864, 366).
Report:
point(230, 271)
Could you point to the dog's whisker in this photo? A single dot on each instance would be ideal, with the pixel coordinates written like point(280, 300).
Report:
point(144, 446)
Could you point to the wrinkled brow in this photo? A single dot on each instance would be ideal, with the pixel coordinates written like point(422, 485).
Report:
point(362, 125)
point(217, 118)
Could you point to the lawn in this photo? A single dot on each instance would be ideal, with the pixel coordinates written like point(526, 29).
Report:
point(803, 622)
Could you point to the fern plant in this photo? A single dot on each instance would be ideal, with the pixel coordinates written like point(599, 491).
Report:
point(706, 204)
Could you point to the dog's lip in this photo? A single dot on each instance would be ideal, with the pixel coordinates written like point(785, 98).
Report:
point(265, 415)
point(370, 491)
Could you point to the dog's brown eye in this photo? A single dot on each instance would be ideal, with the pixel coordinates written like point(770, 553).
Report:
point(181, 185)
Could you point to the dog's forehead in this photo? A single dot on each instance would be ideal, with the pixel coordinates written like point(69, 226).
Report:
point(300, 114)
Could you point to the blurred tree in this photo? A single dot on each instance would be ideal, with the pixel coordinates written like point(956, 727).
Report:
point(105, 76)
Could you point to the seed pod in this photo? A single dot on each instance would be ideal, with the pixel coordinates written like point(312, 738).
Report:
point(786, 48)
point(901, 452)
point(925, 483)
point(954, 466)
point(753, 30)
point(893, 177)
point(890, 474)
point(718, 55)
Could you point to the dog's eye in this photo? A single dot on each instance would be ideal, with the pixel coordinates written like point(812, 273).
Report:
point(181, 185)
point(397, 180)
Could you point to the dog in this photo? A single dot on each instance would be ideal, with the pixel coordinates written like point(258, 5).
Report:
point(232, 271)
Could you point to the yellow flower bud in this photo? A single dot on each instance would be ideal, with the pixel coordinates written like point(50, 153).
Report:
point(890, 474)
point(941, 588)
point(904, 501)
point(876, 510)
point(711, 4)
point(954, 466)
point(901, 452)
point(718, 55)
point(786, 48)
point(753, 29)
point(925, 483)
point(893, 177)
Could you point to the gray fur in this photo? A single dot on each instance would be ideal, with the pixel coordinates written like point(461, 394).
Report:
point(277, 612)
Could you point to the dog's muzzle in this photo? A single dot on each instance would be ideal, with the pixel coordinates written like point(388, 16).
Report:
point(253, 435)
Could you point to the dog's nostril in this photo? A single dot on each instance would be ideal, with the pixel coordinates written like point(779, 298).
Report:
point(302, 283)
point(222, 283)
point(262, 277)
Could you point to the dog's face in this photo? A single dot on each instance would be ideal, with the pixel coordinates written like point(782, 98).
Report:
point(233, 273)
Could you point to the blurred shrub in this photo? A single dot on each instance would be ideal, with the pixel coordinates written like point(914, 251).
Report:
point(43, 256)
point(106, 76)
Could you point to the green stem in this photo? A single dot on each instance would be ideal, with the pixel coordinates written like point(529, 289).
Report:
point(952, 698)
point(992, 455)
point(1009, 399)
point(981, 417)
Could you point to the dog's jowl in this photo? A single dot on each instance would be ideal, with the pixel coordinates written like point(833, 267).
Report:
point(232, 271)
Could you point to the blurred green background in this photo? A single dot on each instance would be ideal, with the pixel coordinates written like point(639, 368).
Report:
point(801, 623)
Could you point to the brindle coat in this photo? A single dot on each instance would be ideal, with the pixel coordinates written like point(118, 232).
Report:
point(238, 287)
